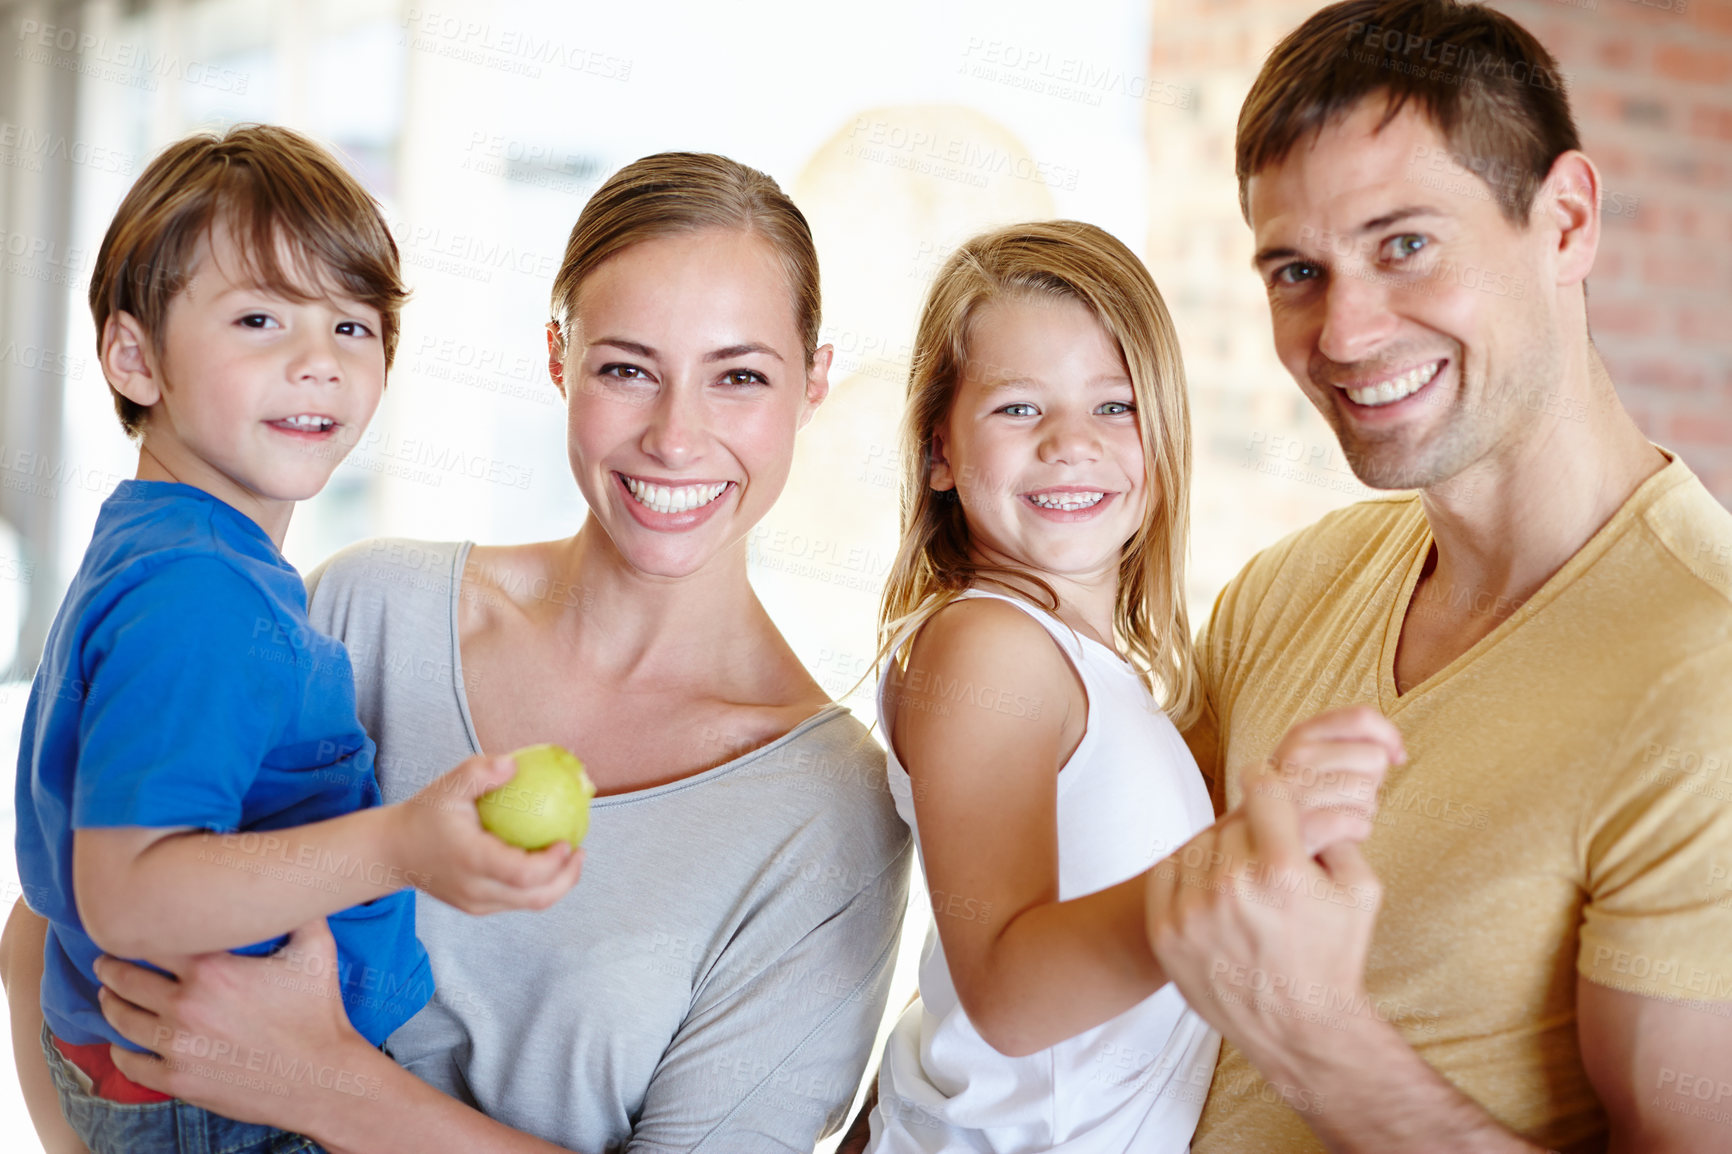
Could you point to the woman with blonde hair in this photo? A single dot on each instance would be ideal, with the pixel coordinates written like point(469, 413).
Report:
point(716, 979)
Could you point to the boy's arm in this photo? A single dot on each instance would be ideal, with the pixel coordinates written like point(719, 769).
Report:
point(151, 893)
point(21, 963)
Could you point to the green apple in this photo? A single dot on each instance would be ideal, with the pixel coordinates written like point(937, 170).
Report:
point(547, 801)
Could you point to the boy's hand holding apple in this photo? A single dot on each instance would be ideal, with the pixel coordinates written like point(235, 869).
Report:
point(440, 840)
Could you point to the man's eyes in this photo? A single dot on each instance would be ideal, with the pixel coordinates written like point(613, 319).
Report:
point(1406, 245)
point(1395, 250)
point(1297, 272)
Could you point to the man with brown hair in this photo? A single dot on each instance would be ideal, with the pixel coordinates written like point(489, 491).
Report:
point(1548, 621)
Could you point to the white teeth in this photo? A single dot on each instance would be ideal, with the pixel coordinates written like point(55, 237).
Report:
point(1066, 501)
point(670, 499)
point(308, 423)
point(1395, 388)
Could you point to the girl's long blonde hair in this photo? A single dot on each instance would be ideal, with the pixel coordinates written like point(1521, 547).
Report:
point(1075, 261)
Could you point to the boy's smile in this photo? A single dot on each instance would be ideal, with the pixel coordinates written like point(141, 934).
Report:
point(255, 396)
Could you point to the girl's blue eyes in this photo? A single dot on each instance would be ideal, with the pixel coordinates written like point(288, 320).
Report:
point(1107, 409)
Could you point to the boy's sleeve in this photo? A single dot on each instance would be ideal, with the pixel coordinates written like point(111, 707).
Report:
point(191, 680)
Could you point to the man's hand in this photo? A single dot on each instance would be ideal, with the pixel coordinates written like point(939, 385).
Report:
point(1331, 766)
point(1266, 942)
point(1269, 945)
point(448, 854)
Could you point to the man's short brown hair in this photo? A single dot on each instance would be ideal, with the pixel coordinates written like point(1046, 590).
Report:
point(1489, 87)
point(272, 188)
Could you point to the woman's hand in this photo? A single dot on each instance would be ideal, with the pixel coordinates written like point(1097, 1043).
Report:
point(449, 855)
point(263, 1040)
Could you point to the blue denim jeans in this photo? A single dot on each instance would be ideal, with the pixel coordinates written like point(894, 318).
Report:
point(159, 1127)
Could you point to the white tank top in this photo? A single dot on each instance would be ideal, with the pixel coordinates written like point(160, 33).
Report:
point(1129, 796)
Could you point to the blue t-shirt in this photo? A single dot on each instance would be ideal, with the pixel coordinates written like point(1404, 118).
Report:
point(182, 685)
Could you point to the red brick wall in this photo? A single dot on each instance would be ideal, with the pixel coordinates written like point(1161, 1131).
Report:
point(1651, 86)
point(1652, 90)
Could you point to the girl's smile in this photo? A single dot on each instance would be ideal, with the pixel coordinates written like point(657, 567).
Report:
point(1042, 444)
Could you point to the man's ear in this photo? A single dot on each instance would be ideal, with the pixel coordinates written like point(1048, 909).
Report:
point(556, 356)
point(128, 360)
point(1570, 202)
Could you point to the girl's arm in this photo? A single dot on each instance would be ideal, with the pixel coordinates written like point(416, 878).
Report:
point(21, 963)
point(154, 892)
point(282, 1053)
point(1029, 969)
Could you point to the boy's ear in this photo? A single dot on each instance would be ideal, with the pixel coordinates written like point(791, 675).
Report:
point(128, 361)
point(940, 477)
point(556, 356)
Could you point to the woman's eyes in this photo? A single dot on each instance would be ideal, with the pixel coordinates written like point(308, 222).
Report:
point(624, 372)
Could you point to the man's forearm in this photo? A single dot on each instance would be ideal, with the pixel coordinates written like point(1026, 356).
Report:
point(1378, 1096)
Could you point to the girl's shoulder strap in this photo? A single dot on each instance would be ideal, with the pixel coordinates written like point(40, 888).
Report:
point(1068, 640)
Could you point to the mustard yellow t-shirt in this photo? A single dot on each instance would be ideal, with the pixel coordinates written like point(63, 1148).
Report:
point(1566, 806)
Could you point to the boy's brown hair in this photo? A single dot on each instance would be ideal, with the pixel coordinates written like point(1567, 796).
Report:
point(269, 186)
point(1491, 89)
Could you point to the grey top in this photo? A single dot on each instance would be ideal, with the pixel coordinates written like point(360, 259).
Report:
point(716, 979)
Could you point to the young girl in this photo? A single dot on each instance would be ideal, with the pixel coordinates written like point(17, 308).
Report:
point(1035, 606)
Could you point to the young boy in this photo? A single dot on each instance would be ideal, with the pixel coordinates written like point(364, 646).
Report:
point(246, 300)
